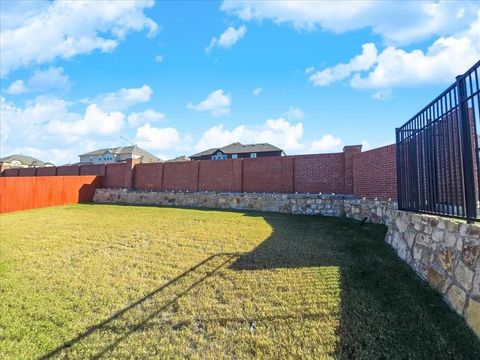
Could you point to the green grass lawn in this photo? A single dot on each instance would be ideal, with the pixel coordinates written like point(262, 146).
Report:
point(114, 282)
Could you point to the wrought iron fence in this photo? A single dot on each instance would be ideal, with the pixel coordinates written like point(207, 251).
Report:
point(438, 168)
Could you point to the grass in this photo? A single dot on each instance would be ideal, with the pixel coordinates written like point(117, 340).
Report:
point(114, 282)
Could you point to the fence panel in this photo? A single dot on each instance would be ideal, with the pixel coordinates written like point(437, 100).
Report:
point(30, 192)
point(438, 153)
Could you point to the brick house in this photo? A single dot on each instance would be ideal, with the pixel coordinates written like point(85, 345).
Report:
point(237, 151)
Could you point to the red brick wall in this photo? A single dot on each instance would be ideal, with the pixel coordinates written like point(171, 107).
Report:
point(375, 173)
point(180, 176)
point(149, 176)
point(10, 172)
point(224, 175)
point(319, 173)
point(268, 174)
point(27, 172)
point(366, 174)
point(115, 175)
point(68, 170)
point(46, 171)
point(98, 169)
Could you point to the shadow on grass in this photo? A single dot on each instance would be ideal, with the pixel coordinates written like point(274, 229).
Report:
point(385, 311)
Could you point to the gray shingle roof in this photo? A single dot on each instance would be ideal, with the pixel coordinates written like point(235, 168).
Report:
point(147, 157)
point(23, 159)
point(237, 148)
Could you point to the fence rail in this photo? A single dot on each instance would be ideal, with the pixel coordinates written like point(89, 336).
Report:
point(438, 168)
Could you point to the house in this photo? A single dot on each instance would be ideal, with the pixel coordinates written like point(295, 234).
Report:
point(118, 154)
point(22, 161)
point(237, 151)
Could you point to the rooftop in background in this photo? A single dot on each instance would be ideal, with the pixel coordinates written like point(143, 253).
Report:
point(239, 149)
point(23, 161)
point(118, 154)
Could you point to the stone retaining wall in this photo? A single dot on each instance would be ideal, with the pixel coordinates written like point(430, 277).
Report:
point(443, 252)
point(308, 204)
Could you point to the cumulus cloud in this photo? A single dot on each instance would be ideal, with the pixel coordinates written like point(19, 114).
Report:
point(64, 29)
point(123, 99)
point(440, 63)
point(94, 121)
point(294, 114)
point(361, 62)
point(148, 116)
point(17, 87)
point(227, 39)
point(275, 131)
point(217, 103)
point(327, 143)
point(257, 91)
point(52, 78)
point(396, 23)
point(153, 138)
point(46, 120)
point(279, 132)
point(393, 67)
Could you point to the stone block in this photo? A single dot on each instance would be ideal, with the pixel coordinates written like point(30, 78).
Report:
point(436, 279)
point(470, 253)
point(446, 258)
point(457, 298)
point(464, 276)
point(472, 315)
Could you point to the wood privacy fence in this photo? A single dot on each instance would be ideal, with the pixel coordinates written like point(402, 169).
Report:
point(30, 192)
point(367, 174)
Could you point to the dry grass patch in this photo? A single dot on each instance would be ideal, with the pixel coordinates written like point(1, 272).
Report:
point(141, 282)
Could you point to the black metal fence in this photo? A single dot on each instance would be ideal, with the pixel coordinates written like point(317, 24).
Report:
point(438, 153)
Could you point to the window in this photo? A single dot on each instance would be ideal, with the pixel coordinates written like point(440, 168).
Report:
point(214, 157)
point(234, 156)
point(219, 154)
point(91, 158)
point(253, 155)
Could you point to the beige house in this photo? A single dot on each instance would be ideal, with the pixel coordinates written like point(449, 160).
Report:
point(118, 154)
point(22, 161)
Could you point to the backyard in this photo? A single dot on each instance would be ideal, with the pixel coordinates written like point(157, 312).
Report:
point(105, 281)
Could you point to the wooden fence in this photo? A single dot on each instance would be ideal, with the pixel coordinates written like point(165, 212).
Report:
point(30, 192)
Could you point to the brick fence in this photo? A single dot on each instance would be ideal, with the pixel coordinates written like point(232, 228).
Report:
point(366, 174)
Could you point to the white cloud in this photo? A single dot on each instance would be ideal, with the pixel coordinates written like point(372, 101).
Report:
point(217, 103)
point(361, 62)
point(440, 63)
point(393, 67)
point(257, 91)
point(159, 58)
point(227, 39)
point(396, 23)
point(123, 99)
point(294, 114)
point(153, 138)
point(95, 121)
point(327, 143)
point(44, 80)
point(17, 87)
point(46, 126)
point(278, 132)
point(147, 116)
point(64, 29)
point(41, 81)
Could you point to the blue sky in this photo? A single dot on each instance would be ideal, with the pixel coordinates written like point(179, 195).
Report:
point(179, 77)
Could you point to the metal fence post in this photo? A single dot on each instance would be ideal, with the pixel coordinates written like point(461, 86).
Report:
point(467, 150)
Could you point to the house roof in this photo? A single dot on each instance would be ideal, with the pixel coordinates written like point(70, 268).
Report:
point(147, 157)
point(23, 159)
point(238, 148)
